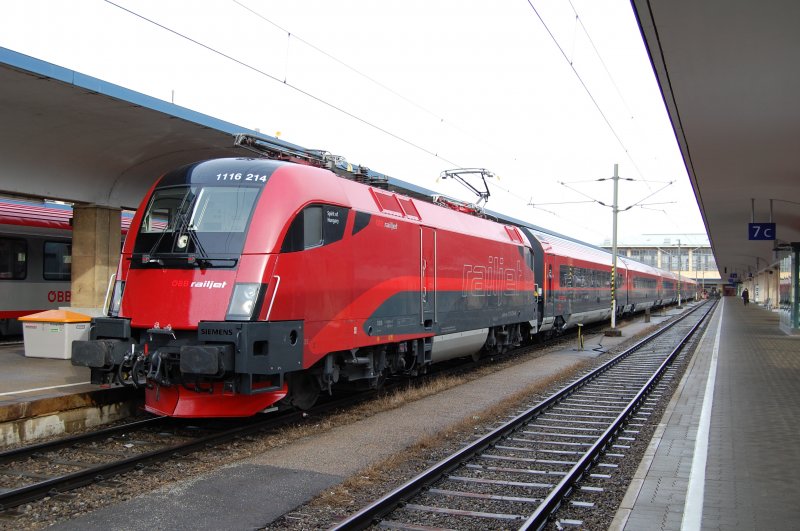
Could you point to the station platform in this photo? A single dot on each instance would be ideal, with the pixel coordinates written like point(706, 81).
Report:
point(726, 455)
point(36, 376)
point(40, 397)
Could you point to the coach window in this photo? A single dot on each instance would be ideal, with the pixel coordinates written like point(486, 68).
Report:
point(566, 276)
point(57, 261)
point(13, 259)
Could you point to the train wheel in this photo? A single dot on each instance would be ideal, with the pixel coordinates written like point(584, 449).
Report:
point(303, 390)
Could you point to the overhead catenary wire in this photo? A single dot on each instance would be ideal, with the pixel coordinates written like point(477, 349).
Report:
point(650, 195)
point(441, 119)
point(665, 183)
point(613, 81)
point(366, 121)
point(529, 202)
point(579, 20)
point(287, 84)
point(337, 60)
point(585, 86)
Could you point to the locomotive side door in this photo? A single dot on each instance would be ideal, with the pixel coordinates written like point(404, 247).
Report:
point(427, 276)
point(549, 292)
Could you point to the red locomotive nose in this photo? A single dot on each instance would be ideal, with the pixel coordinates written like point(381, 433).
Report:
point(186, 296)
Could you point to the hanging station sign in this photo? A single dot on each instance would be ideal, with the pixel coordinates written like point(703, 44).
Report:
point(761, 231)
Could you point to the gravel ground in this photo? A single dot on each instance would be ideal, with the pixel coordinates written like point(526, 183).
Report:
point(614, 488)
point(333, 504)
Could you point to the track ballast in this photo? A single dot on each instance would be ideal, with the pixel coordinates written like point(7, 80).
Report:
point(518, 475)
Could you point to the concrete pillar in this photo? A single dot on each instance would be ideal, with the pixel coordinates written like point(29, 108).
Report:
point(96, 241)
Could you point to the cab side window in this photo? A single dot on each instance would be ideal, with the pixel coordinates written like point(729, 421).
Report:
point(528, 257)
point(312, 227)
point(315, 226)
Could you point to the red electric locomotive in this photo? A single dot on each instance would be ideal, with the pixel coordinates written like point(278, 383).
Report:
point(251, 282)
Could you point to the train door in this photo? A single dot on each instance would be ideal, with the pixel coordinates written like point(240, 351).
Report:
point(427, 274)
point(549, 290)
point(566, 281)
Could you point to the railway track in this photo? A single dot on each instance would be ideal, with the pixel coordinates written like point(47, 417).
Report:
point(518, 475)
point(53, 468)
point(56, 467)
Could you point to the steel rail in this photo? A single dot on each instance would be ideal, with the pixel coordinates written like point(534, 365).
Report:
point(102, 472)
point(553, 501)
point(23, 451)
point(58, 485)
point(370, 514)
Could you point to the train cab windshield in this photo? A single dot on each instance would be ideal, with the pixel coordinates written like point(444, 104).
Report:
point(194, 225)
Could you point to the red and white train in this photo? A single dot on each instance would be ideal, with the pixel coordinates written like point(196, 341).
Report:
point(35, 252)
point(35, 258)
point(251, 283)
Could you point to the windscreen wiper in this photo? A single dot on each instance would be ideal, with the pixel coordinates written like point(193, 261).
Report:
point(202, 262)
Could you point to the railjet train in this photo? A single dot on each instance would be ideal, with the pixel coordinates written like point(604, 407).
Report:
point(252, 283)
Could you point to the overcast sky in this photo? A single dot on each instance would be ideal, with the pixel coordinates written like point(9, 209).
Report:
point(408, 88)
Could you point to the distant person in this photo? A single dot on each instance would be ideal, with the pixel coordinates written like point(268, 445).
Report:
point(745, 296)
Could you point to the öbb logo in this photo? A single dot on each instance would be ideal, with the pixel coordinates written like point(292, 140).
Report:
point(59, 296)
point(204, 284)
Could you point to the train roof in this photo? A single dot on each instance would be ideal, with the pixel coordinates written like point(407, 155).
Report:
point(562, 246)
point(634, 265)
point(313, 184)
point(29, 214)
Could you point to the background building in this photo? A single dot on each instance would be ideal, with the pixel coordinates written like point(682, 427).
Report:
point(690, 255)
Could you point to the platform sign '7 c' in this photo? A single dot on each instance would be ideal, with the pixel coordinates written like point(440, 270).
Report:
point(761, 231)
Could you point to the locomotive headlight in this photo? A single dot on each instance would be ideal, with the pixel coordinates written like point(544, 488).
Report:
point(116, 298)
point(243, 301)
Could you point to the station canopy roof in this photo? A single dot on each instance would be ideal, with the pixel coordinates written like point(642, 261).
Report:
point(729, 75)
point(76, 138)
